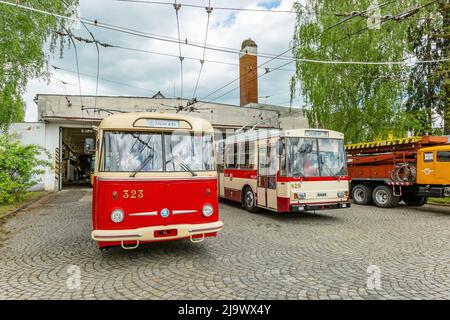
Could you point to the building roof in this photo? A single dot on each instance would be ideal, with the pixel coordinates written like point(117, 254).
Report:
point(158, 95)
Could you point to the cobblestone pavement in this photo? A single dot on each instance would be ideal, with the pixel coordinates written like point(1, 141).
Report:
point(257, 256)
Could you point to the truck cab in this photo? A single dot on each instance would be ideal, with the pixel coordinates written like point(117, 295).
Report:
point(433, 165)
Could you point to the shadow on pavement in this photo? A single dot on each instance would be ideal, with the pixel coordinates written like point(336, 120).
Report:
point(177, 248)
point(288, 216)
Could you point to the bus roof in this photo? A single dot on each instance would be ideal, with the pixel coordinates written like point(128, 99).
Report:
point(274, 133)
point(167, 121)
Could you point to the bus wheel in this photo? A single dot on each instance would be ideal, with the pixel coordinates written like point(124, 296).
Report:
point(249, 200)
point(383, 197)
point(413, 200)
point(362, 194)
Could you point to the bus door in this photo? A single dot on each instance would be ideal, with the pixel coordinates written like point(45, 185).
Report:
point(267, 185)
point(221, 167)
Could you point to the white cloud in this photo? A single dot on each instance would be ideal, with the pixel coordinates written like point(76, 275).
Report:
point(139, 71)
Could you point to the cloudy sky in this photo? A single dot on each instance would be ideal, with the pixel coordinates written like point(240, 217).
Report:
point(126, 72)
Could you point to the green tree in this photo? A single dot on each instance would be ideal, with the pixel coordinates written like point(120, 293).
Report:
point(427, 99)
point(366, 102)
point(19, 165)
point(444, 68)
point(23, 37)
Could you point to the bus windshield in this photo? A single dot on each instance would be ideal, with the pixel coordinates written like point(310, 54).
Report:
point(156, 152)
point(311, 157)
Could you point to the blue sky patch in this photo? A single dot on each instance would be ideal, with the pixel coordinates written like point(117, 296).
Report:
point(270, 4)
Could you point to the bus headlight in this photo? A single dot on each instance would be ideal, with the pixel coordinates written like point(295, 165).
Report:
point(207, 210)
point(301, 195)
point(341, 194)
point(117, 216)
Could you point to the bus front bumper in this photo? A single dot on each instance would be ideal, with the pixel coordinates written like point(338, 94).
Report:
point(156, 233)
point(324, 206)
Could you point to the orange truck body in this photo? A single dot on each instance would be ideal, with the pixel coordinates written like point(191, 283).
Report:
point(419, 167)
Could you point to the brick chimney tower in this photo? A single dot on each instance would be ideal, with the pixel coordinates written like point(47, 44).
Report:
point(248, 72)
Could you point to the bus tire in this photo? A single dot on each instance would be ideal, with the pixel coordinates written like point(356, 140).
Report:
point(383, 197)
point(362, 194)
point(414, 201)
point(249, 200)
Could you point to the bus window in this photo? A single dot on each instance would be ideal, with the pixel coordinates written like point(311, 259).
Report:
point(127, 151)
point(302, 157)
point(247, 159)
point(272, 159)
point(220, 156)
point(282, 152)
point(332, 157)
point(196, 151)
point(252, 154)
point(242, 159)
point(231, 153)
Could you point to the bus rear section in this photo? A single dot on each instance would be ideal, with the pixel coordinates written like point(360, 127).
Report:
point(288, 171)
point(155, 181)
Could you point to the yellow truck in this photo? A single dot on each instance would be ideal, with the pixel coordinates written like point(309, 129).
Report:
point(411, 169)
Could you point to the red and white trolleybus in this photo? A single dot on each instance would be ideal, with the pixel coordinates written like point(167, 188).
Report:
point(155, 179)
point(284, 171)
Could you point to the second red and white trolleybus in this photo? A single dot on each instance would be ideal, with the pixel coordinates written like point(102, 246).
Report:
point(155, 179)
point(284, 171)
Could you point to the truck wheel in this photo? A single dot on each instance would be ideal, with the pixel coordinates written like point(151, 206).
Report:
point(383, 197)
point(249, 200)
point(413, 200)
point(362, 194)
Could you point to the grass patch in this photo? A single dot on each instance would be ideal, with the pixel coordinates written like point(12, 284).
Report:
point(439, 200)
point(5, 208)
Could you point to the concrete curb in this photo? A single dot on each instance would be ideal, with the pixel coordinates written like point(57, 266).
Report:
point(439, 204)
point(26, 205)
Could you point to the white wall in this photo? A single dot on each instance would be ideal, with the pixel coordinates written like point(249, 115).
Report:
point(51, 143)
point(31, 133)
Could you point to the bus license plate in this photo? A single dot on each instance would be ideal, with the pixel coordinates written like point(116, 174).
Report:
point(165, 233)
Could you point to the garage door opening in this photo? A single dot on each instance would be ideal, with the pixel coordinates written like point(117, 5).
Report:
point(78, 156)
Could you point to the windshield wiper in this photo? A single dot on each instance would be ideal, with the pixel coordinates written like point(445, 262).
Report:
point(142, 165)
point(184, 165)
point(146, 160)
point(298, 174)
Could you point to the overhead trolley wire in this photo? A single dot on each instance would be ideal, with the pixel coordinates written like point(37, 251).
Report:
point(202, 61)
point(218, 8)
point(402, 15)
point(357, 14)
point(321, 61)
point(103, 79)
point(177, 7)
point(268, 56)
point(251, 80)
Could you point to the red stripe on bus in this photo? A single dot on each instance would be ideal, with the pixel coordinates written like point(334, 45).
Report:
point(241, 173)
point(253, 174)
